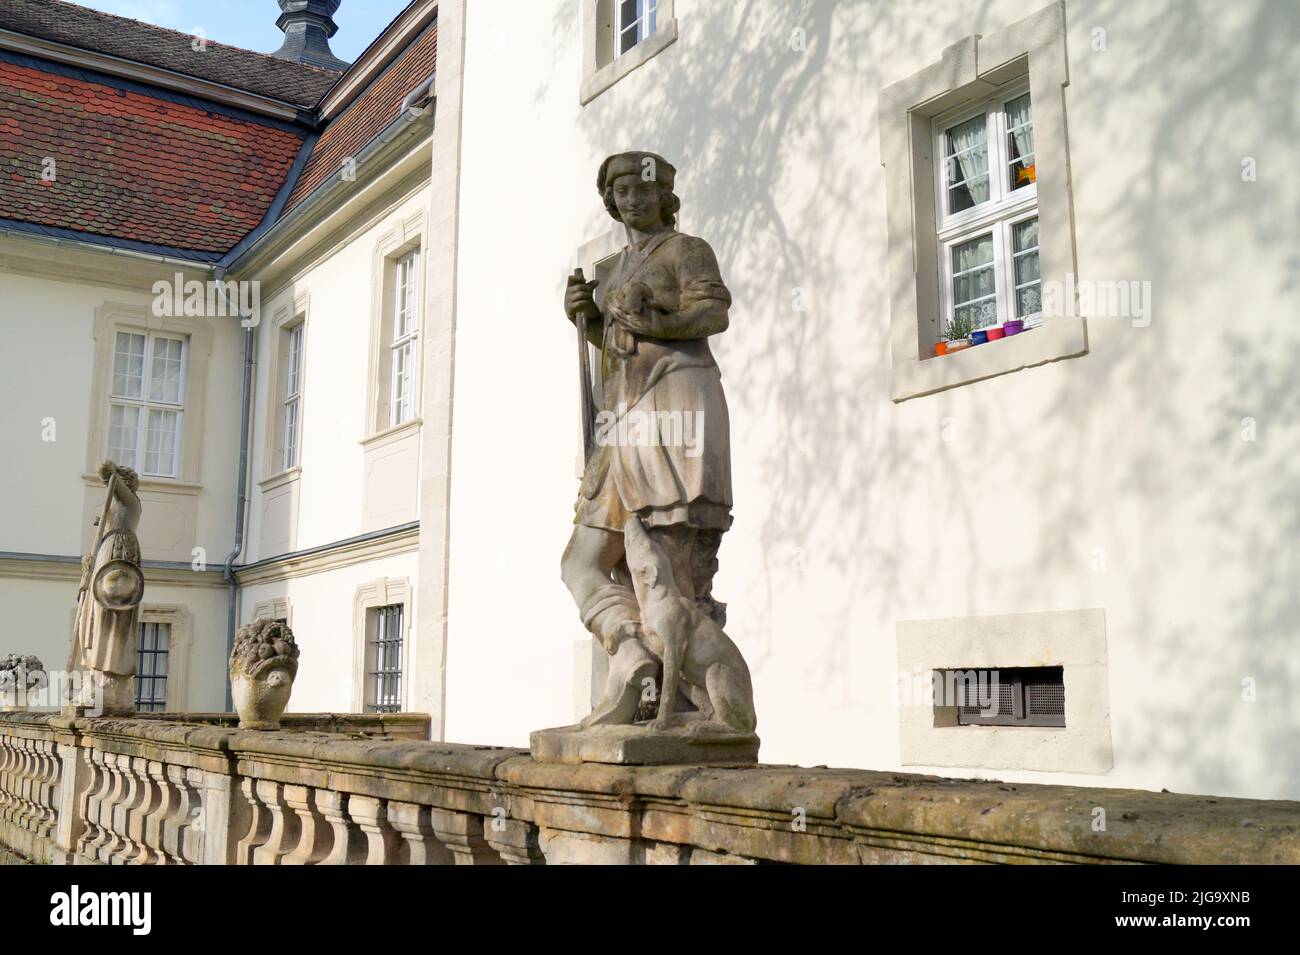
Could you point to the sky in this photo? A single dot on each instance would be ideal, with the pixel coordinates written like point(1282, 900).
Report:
point(251, 23)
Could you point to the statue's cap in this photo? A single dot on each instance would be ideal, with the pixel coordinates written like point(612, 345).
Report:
point(648, 166)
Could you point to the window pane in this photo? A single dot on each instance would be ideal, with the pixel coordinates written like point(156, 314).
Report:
point(123, 434)
point(407, 295)
point(160, 442)
point(973, 254)
point(403, 399)
point(967, 163)
point(1020, 143)
point(1024, 244)
point(979, 315)
point(290, 434)
point(294, 377)
point(165, 371)
point(128, 365)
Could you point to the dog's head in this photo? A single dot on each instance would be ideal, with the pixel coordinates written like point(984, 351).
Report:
point(651, 571)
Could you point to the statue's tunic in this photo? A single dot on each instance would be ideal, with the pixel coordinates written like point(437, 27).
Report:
point(661, 374)
point(106, 636)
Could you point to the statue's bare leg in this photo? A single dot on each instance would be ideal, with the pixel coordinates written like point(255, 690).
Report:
point(609, 610)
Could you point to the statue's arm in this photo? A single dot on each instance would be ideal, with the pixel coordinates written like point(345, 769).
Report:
point(704, 298)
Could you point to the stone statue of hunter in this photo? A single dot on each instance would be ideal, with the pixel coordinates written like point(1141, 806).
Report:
point(651, 326)
point(112, 586)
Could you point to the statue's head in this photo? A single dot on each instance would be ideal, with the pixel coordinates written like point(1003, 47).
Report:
point(637, 189)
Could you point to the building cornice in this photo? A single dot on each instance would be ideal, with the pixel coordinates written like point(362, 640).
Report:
point(403, 539)
point(63, 568)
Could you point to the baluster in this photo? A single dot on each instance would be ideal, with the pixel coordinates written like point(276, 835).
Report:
point(462, 833)
point(108, 808)
point(349, 846)
point(285, 828)
point(192, 831)
point(47, 802)
point(25, 815)
point(414, 825)
point(154, 823)
point(382, 841)
point(7, 757)
point(12, 779)
point(128, 807)
point(314, 842)
point(259, 823)
point(146, 810)
point(515, 840)
point(96, 790)
point(178, 820)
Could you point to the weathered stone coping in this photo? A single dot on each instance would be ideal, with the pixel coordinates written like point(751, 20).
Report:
point(739, 813)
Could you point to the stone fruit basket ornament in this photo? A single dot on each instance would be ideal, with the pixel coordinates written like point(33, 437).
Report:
point(263, 665)
point(19, 675)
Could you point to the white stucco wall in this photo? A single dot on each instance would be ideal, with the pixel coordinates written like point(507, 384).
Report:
point(49, 321)
point(1118, 480)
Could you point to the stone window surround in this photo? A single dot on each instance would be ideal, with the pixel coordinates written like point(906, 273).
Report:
point(112, 317)
point(1072, 639)
point(274, 608)
point(287, 316)
point(971, 70)
point(600, 68)
point(380, 593)
point(405, 235)
point(181, 621)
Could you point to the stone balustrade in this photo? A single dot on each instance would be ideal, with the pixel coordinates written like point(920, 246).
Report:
point(156, 790)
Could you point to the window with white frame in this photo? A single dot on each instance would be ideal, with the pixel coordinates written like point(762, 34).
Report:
point(406, 331)
point(147, 402)
point(634, 21)
point(987, 211)
point(292, 395)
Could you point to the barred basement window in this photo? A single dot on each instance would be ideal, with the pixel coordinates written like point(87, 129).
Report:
point(151, 667)
point(1023, 696)
point(384, 660)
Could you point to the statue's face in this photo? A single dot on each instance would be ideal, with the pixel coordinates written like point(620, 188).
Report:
point(637, 202)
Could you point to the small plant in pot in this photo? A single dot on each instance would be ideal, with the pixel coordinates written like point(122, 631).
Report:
point(263, 665)
point(958, 333)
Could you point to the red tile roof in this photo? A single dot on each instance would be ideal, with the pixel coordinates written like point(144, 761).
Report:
point(134, 166)
point(76, 26)
point(367, 115)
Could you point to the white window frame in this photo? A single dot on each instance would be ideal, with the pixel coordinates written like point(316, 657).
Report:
point(292, 409)
point(971, 69)
point(643, 22)
point(143, 404)
point(406, 336)
point(602, 63)
point(996, 215)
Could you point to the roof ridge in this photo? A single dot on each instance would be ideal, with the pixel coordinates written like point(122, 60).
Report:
point(189, 37)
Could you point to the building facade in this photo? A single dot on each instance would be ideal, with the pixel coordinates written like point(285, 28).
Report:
point(1101, 505)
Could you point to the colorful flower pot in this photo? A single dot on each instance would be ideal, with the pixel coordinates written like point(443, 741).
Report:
point(979, 336)
point(1014, 327)
point(941, 348)
point(995, 332)
point(958, 345)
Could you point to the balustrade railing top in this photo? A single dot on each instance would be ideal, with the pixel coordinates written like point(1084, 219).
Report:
point(168, 790)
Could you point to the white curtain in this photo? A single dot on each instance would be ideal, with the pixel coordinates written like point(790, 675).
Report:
point(968, 149)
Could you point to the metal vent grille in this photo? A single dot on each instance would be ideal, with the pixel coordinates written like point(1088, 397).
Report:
point(1024, 696)
point(1045, 699)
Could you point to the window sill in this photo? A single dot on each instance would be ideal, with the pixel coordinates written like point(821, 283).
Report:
point(389, 435)
point(150, 483)
point(596, 83)
point(281, 479)
point(1054, 339)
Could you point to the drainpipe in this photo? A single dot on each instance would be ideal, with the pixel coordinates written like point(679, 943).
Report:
point(241, 500)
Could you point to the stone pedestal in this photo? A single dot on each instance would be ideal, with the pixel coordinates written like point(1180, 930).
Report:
point(638, 745)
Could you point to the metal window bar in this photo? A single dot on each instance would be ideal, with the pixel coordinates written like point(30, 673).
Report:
point(151, 667)
point(385, 657)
